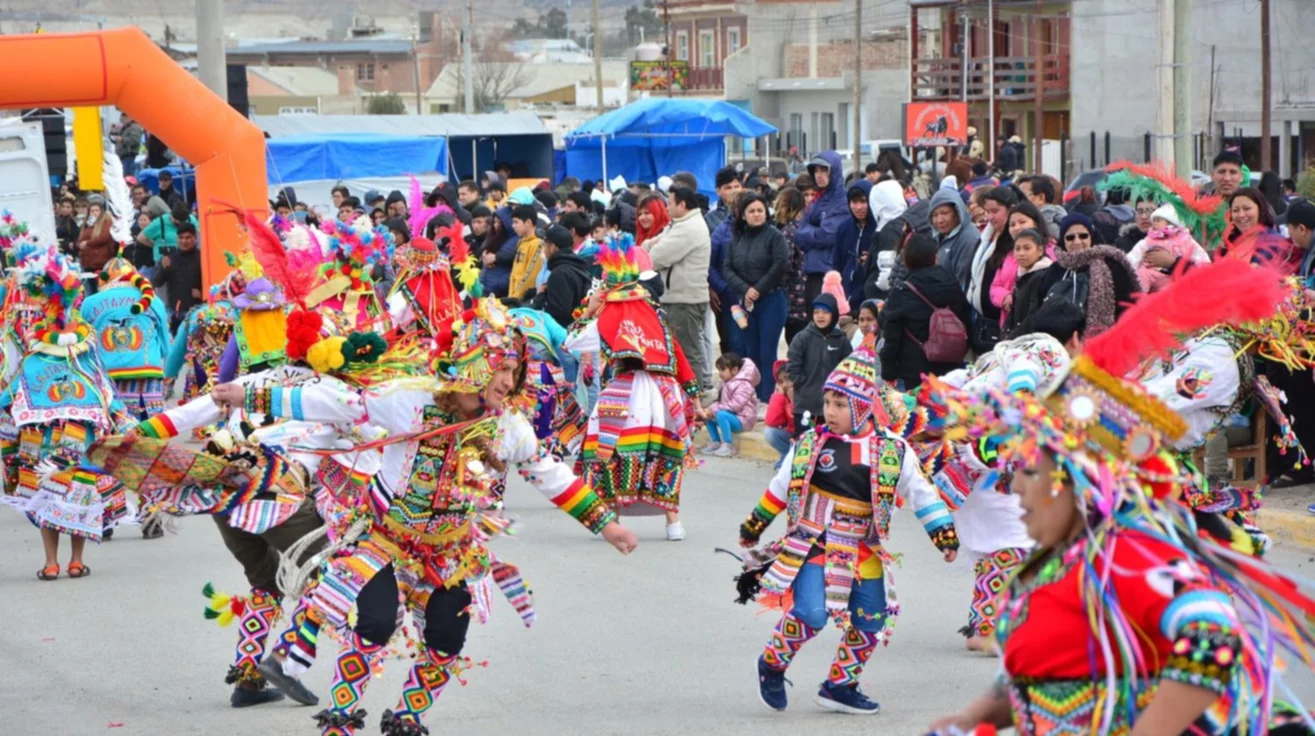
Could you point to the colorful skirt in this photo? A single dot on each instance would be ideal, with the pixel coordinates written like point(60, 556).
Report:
point(80, 502)
point(143, 397)
point(637, 444)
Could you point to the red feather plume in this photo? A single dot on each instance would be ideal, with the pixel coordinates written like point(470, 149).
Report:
point(1227, 290)
point(269, 252)
point(458, 251)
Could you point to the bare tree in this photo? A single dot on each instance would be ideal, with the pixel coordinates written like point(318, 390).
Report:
point(496, 74)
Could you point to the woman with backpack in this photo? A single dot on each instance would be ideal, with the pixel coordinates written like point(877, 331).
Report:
point(925, 327)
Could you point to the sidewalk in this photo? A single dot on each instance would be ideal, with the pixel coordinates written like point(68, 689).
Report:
point(1283, 516)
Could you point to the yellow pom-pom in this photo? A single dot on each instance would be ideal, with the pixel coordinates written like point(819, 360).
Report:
point(326, 355)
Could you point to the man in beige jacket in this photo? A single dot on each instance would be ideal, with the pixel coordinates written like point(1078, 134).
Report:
point(680, 255)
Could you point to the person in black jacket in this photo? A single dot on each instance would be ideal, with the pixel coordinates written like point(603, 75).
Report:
point(814, 353)
point(907, 318)
point(754, 268)
point(180, 271)
point(569, 277)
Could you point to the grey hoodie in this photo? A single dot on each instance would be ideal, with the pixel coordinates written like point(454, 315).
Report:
point(957, 248)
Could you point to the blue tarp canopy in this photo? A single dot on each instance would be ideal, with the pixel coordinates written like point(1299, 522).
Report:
point(660, 136)
point(337, 156)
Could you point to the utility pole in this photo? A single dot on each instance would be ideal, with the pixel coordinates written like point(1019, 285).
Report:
point(666, 29)
point(1265, 84)
point(1038, 115)
point(963, 56)
point(858, 86)
point(990, 79)
point(598, 58)
point(468, 57)
point(415, 70)
point(1164, 150)
point(211, 60)
point(1182, 89)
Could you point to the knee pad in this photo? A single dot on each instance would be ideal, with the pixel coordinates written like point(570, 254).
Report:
point(446, 620)
point(813, 618)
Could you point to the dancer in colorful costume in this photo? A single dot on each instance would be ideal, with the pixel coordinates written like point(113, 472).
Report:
point(132, 332)
point(639, 443)
point(58, 402)
point(989, 520)
point(424, 301)
point(839, 493)
point(19, 313)
point(198, 347)
point(436, 501)
point(558, 419)
point(1125, 619)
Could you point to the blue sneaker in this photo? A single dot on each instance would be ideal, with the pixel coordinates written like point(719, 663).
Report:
point(771, 686)
point(1311, 508)
point(846, 699)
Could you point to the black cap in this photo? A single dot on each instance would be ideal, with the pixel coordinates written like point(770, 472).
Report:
point(559, 236)
point(395, 196)
point(1301, 212)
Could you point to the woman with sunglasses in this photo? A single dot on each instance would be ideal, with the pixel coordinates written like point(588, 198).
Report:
point(1095, 277)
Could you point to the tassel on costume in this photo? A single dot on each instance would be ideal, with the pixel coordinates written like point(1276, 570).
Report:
point(223, 608)
point(749, 583)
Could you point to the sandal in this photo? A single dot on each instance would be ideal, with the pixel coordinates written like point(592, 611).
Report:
point(78, 570)
point(49, 572)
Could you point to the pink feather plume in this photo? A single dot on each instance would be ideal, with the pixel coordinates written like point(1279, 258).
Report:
point(1227, 290)
point(420, 214)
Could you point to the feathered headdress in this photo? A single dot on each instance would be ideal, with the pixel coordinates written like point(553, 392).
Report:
point(420, 214)
point(50, 279)
point(118, 198)
point(482, 339)
point(1203, 214)
point(351, 253)
point(464, 265)
point(618, 262)
point(119, 270)
point(13, 231)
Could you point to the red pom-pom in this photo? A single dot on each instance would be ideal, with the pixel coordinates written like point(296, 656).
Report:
point(303, 331)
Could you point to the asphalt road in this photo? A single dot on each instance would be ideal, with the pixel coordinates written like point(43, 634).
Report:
point(649, 644)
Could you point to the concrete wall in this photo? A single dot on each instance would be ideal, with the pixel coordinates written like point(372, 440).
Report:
point(1115, 52)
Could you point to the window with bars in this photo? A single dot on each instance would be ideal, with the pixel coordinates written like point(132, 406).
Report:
point(365, 72)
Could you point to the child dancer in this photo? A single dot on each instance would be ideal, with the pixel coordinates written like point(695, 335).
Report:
point(846, 480)
point(736, 408)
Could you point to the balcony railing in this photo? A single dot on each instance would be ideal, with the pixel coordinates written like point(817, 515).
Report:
point(1015, 78)
point(705, 79)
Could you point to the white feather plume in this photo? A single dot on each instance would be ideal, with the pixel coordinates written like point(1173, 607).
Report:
point(118, 197)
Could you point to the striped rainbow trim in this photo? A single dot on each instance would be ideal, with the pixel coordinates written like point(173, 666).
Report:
point(158, 427)
point(138, 373)
point(580, 501)
point(769, 506)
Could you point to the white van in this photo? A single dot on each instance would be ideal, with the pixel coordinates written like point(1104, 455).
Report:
point(24, 178)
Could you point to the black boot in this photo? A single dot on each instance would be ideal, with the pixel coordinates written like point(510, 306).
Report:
point(249, 688)
point(272, 670)
point(391, 725)
point(152, 529)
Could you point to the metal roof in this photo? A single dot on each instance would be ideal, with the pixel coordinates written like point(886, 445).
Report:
point(324, 47)
point(449, 126)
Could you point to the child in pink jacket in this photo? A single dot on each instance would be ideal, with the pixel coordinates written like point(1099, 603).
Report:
point(1168, 234)
point(1021, 217)
point(736, 407)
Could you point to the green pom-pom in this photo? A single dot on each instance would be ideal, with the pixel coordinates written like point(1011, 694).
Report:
point(211, 614)
point(135, 309)
point(208, 590)
point(230, 259)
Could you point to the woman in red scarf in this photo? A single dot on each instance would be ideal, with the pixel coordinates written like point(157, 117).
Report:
point(1253, 234)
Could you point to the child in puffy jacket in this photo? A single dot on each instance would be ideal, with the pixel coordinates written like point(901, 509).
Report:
point(1167, 234)
point(736, 407)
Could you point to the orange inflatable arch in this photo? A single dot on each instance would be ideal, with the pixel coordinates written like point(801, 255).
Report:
point(126, 69)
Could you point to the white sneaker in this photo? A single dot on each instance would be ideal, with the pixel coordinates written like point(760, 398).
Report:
point(710, 449)
point(726, 450)
point(675, 532)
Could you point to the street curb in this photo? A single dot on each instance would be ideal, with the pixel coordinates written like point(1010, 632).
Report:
point(1288, 527)
point(750, 445)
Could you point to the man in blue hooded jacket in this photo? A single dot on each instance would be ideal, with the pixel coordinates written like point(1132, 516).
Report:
point(956, 237)
point(822, 220)
point(853, 241)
